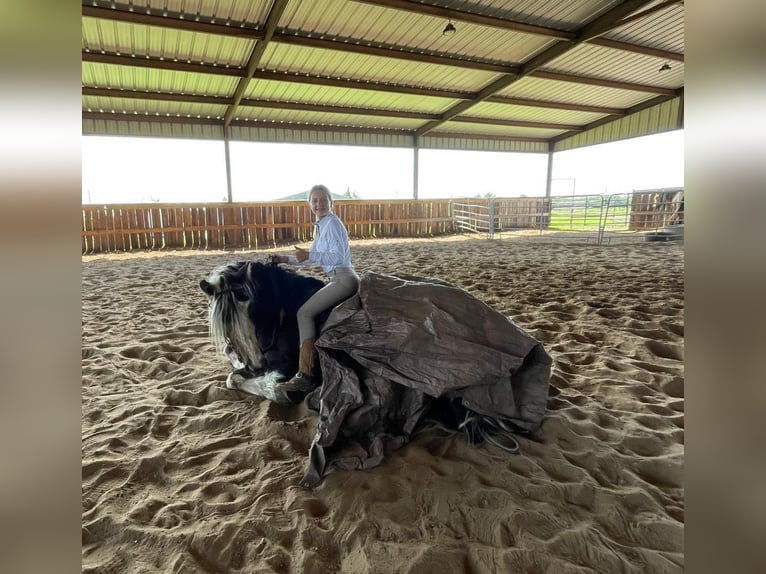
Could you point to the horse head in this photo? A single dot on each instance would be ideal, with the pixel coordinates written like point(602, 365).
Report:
point(252, 312)
point(232, 295)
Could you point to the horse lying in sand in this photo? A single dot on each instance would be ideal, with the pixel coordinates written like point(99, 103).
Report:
point(252, 312)
point(400, 352)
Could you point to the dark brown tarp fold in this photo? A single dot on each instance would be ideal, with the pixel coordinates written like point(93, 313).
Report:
point(400, 342)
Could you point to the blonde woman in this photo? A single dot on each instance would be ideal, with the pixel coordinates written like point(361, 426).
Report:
point(330, 250)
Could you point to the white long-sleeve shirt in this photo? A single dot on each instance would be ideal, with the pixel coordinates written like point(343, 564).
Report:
point(330, 248)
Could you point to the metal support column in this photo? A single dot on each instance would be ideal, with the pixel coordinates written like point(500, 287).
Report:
point(415, 150)
point(228, 163)
point(550, 171)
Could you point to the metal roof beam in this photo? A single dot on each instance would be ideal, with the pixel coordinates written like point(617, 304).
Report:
point(354, 47)
point(602, 82)
point(471, 18)
point(323, 108)
point(172, 22)
point(515, 123)
point(554, 105)
point(354, 84)
point(159, 118)
point(161, 64)
point(272, 19)
point(456, 95)
point(488, 137)
point(162, 96)
point(649, 51)
point(320, 128)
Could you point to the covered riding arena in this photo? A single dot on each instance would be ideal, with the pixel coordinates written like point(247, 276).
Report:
point(181, 474)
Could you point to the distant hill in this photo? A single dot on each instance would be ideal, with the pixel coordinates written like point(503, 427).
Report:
point(303, 195)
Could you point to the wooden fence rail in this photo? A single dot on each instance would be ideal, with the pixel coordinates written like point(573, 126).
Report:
point(128, 227)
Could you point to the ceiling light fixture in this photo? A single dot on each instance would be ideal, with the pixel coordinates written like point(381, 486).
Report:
point(449, 29)
point(664, 67)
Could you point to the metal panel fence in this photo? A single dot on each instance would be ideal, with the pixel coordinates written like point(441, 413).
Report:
point(591, 217)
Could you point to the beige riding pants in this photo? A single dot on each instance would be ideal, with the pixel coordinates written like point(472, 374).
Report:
point(343, 284)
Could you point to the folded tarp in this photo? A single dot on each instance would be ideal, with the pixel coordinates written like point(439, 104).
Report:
point(401, 342)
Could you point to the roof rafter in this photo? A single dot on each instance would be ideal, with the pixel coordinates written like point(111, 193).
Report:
point(554, 105)
point(272, 19)
point(356, 47)
point(647, 50)
point(151, 95)
point(558, 76)
point(161, 64)
point(515, 123)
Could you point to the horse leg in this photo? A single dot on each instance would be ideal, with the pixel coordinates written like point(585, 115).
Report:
point(264, 384)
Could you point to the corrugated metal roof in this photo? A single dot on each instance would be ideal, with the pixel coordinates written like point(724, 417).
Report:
point(324, 118)
point(599, 62)
point(531, 114)
point(663, 29)
point(459, 128)
point(419, 33)
point(573, 93)
point(382, 70)
point(328, 95)
point(553, 13)
point(303, 134)
point(153, 107)
point(232, 12)
point(174, 45)
point(151, 80)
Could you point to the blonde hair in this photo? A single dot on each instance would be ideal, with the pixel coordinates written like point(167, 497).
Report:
point(321, 188)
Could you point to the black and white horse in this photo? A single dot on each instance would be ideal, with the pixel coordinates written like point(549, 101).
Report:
point(252, 312)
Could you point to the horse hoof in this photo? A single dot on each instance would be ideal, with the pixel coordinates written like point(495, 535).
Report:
point(233, 380)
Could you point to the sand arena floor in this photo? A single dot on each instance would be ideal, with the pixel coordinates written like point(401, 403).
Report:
point(182, 475)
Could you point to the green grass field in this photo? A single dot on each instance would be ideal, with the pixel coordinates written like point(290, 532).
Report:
point(587, 219)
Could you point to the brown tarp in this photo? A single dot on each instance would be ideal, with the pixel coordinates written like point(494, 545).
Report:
point(386, 352)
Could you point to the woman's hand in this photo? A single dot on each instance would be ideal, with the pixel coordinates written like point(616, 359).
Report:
point(301, 254)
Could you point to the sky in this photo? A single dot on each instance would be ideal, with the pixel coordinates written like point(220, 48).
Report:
point(142, 170)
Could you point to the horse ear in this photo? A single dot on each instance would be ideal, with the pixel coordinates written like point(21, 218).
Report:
point(207, 287)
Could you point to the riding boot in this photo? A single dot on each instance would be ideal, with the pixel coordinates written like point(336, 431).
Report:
point(306, 379)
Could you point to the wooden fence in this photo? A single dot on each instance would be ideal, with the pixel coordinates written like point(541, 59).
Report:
point(128, 227)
